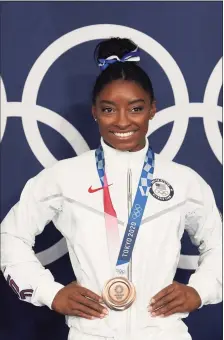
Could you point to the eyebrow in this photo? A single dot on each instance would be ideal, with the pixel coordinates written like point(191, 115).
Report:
point(129, 103)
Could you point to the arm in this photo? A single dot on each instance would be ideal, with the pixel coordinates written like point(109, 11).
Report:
point(41, 202)
point(21, 268)
point(204, 226)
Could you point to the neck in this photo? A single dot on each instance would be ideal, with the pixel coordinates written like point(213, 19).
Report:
point(138, 147)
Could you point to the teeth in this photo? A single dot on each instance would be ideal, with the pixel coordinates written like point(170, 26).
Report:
point(126, 134)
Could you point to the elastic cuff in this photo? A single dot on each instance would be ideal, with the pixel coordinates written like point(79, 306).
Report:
point(46, 292)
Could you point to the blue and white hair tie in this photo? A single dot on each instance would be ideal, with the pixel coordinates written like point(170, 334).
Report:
point(131, 56)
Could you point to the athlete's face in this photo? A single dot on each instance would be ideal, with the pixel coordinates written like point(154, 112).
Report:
point(123, 109)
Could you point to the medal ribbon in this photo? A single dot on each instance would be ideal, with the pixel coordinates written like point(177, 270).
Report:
point(135, 218)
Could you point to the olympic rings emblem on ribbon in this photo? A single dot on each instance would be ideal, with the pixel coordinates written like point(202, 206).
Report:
point(137, 211)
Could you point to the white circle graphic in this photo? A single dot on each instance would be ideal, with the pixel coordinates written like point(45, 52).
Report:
point(3, 111)
point(88, 33)
point(74, 38)
point(179, 114)
point(211, 99)
point(192, 110)
point(50, 118)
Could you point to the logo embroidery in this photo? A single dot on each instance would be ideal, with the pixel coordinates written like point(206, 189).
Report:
point(137, 211)
point(161, 190)
point(91, 191)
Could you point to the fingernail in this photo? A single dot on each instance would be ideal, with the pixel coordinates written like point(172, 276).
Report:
point(150, 309)
point(105, 311)
point(162, 315)
point(93, 318)
point(102, 316)
point(152, 301)
point(153, 314)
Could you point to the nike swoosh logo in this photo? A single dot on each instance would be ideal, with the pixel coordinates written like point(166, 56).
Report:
point(91, 191)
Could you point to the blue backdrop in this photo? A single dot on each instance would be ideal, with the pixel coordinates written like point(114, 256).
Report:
point(47, 73)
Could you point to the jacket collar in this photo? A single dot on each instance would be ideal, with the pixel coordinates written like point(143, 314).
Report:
point(111, 153)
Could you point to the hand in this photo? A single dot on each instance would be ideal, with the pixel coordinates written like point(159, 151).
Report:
point(78, 301)
point(176, 298)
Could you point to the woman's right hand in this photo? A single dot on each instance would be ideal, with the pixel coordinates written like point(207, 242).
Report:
point(79, 301)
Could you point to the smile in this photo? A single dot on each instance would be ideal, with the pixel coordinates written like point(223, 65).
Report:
point(123, 134)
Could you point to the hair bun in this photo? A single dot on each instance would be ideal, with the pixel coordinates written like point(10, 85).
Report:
point(117, 59)
point(114, 46)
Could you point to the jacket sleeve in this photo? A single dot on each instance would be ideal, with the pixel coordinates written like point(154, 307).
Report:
point(39, 203)
point(204, 226)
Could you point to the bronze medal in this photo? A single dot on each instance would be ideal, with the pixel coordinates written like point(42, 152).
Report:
point(119, 293)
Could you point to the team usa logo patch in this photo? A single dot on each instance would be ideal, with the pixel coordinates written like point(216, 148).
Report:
point(161, 190)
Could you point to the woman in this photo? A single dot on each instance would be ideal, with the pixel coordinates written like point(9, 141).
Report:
point(122, 211)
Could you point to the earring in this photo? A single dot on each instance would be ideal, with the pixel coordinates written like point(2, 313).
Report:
point(95, 119)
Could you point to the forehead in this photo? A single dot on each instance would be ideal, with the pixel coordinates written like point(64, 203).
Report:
point(122, 90)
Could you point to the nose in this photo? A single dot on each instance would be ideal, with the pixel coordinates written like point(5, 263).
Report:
point(122, 120)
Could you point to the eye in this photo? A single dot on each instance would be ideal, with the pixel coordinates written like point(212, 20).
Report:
point(137, 109)
point(107, 109)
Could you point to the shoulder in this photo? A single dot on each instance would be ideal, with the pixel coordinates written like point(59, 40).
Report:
point(51, 180)
point(177, 169)
point(77, 162)
point(183, 177)
point(69, 164)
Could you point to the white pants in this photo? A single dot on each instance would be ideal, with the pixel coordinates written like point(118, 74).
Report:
point(178, 332)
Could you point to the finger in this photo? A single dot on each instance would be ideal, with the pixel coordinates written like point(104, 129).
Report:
point(82, 315)
point(90, 303)
point(169, 289)
point(174, 310)
point(86, 310)
point(88, 293)
point(165, 309)
point(163, 301)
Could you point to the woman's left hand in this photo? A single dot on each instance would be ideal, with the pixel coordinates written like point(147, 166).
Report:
point(176, 298)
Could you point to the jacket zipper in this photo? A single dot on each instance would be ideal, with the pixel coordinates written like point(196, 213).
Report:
point(129, 206)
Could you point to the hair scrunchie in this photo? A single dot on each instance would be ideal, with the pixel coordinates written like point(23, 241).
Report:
point(131, 56)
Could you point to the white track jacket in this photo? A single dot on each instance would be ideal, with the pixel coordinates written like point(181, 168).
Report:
point(179, 200)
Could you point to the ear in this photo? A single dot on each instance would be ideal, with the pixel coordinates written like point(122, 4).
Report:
point(152, 110)
point(94, 112)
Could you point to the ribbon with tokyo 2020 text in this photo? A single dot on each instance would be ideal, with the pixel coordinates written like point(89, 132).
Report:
point(136, 214)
